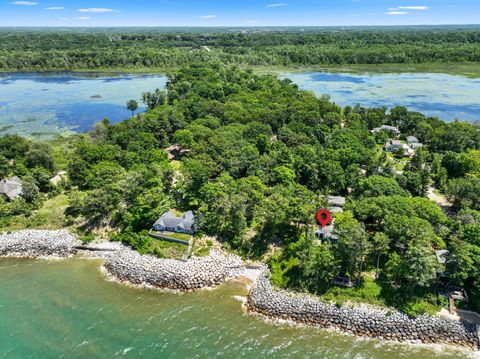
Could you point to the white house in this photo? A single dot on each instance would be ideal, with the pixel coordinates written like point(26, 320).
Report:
point(395, 145)
point(387, 128)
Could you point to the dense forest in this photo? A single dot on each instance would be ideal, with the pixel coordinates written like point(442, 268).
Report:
point(262, 156)
point(44, 50)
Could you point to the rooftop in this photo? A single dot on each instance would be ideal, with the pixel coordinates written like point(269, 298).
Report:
point(12, 188)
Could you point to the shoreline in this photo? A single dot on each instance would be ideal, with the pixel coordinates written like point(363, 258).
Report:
point(127, 267)
point(469, 70)
point(390, 325)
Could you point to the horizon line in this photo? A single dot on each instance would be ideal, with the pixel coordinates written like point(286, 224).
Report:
point(228, 26)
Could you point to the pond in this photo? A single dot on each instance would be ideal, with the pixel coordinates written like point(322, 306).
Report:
point(40, 105)
point(448, 97)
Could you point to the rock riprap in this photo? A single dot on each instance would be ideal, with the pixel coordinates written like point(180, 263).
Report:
point(193, 274)
point(389, 325)
point(38, 243)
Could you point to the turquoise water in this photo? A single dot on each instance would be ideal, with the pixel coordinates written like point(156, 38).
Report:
point(45, 104)
point(66, 309)
point(447, 96)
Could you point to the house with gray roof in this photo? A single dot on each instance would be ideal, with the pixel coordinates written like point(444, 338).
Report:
point(326, 234)
point(387, 128)
point(413, 143)
point(171, 223)
point(336, 201)
point(395, 145)
point(11, 188)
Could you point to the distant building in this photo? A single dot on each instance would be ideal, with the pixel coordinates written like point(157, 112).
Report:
point(326, 233)
point(387, 128)
point(11, 188)
point(336, 201)
point(413, 143)
point(335, 205)
point(412, 139)
point(442, 256)
point(335, 210)
point(58, 178)
point(175, 152)
point(395, 145)
point(171, 223)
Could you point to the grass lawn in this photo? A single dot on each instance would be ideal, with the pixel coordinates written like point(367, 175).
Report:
point(166, 249)
point(201, 248)
point(372, 292)
point(181, 236)
point(368, 292)
point(50, 216)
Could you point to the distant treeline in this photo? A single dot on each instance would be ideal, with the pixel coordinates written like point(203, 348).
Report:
point(42, 50)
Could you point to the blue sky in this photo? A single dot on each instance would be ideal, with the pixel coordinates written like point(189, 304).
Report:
point(237, 12)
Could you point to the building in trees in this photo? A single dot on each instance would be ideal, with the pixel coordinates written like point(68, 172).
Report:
point(11, 188)
point(413, 143)
point(395, 146)
point(391, 129)
point(175, 152)
point(170, 222)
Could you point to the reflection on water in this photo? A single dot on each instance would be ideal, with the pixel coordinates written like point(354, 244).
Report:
point(446, 96)
point(66, 309)
point(33, 104)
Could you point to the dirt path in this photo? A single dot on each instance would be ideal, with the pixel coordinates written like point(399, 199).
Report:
point(440, 200)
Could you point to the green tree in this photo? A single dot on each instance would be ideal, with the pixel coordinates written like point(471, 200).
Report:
point(353, 246)
point(30, 190)
point(317, 265)
point(420, 265)
point(4, 167)
point(381, 245)
point(374, 186)
point(464, 193)
point(40, 156)
point(132, 105)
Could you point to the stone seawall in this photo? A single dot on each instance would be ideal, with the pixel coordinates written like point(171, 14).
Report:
point(37, 243)
point(396, 326)
point(193, 274)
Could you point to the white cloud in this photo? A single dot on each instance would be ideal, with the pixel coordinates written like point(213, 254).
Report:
point(396, 13)
point(208, 16)
point(251, 22)
point(63, 18)
point(418, 8)
point(55, 8)
point(421, 8)
point(83, 18)
point(97, 9)
point(275, 5)
point(24, 3)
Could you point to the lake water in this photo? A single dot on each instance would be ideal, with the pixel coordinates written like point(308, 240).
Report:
point(40, 105)
point(66, 309)
point(447, 96)
point(43, 104)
